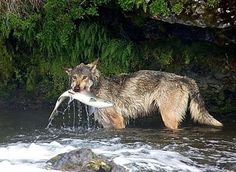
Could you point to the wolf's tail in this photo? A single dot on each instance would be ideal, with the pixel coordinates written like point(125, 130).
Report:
point(198, 110)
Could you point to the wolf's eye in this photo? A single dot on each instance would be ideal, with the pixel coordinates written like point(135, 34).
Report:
point(84, 77)
point(74, 77)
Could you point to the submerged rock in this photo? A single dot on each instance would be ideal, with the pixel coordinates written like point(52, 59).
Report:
point(84, 159)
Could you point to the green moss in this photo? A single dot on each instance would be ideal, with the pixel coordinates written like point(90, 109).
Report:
point(98, 165)
point(55, 158)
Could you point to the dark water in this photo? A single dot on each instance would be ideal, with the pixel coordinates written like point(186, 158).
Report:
point(26, 144)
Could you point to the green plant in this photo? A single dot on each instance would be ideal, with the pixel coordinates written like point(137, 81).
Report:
point(38, 38)
point(212, 3)
point(6, 67)
point(117, 56)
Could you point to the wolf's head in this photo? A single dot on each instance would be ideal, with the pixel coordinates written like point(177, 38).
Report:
point(83, 77)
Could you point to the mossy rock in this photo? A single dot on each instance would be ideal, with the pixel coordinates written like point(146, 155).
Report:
point(83, 159)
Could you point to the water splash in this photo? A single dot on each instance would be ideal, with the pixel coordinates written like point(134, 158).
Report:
point(75, 115)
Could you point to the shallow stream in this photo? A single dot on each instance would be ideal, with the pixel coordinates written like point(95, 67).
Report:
point(26, 145)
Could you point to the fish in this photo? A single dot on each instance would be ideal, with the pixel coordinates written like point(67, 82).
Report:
point(84, 97)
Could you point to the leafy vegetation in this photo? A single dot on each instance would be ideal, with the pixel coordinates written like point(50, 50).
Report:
point(39, 38)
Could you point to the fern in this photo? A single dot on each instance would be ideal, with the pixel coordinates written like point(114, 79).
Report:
point(6, 67)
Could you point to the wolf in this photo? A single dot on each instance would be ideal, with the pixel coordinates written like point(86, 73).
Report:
point(139, 94)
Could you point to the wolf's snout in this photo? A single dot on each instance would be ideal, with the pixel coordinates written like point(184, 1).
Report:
point(76, 89)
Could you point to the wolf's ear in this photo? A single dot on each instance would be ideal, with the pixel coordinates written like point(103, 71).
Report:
point(93, 65)
point(80, 65)
point(67, 70)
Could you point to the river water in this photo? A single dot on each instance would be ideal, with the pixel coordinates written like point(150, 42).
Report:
point(26, 145)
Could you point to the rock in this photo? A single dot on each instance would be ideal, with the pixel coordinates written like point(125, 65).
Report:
point(218, 91)
point(199, 13)
point(83, 159)
point(220, 76)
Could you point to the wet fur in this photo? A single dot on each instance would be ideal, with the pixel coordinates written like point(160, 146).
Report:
point(140, 93)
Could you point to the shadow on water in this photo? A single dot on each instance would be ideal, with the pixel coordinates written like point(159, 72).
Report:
point(138, 148)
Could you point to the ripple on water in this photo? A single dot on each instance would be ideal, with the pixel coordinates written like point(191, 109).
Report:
point(135, 149)
point(134, 156)
point(25, 145)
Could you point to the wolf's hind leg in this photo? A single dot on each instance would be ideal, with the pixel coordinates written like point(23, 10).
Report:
point(173, 108)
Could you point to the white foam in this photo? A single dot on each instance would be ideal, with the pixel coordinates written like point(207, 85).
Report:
point(148, 159)
point(7, 166)
point(29, 156)
point(33, 156)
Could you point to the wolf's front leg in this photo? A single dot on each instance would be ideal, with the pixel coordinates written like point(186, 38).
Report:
point(116, 119)
point(109, 118)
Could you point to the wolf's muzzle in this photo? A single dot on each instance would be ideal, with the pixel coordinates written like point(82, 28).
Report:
point(76, 89)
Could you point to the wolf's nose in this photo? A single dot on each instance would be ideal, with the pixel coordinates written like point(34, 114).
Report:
point(76, 89)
